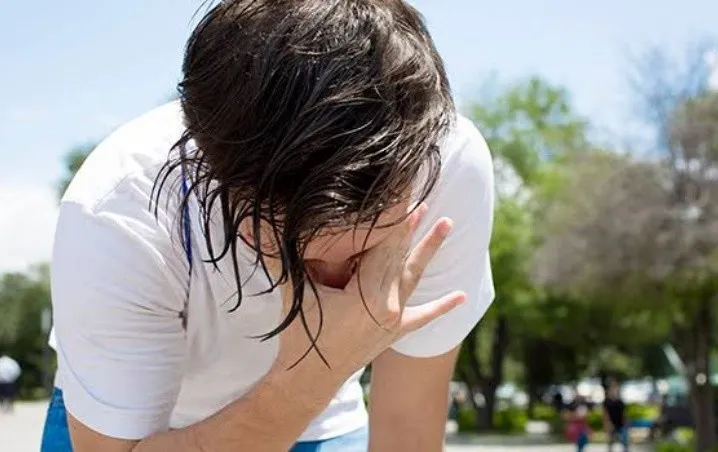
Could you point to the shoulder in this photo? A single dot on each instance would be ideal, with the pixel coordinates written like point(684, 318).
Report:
point(465, 194)
point(109, 235)
point(466, 156)
point(132, 154)
point(465, 189)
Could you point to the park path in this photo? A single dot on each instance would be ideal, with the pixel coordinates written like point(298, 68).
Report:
point(21, 431)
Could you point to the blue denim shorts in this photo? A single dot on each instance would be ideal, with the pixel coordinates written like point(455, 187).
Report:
point(56, 435)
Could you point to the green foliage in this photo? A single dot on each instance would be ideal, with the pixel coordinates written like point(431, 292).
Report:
point(530, 123)
point(678, 446)
point(507, 421)
point(510, 420)
point(543, 412)
point(646, 412)
point(73, 161)
point(557, 427)
point(531, 129)
point(23, 298)
point(673, 446)
point(511, 252)
point(594, 419)
point(466, 419)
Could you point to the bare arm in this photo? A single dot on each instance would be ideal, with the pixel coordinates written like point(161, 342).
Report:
point(409, 402)
point(252, 423)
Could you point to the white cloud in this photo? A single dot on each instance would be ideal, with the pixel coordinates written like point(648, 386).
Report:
point(27, 224)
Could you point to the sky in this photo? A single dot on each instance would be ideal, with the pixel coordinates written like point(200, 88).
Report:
point(72, 71)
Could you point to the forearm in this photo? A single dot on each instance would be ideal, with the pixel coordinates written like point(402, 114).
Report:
point(408, 432)
point(409, 402)
point(269, 418)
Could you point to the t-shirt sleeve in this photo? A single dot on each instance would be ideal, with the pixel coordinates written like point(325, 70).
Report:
point(465, 193)
point(118, 289)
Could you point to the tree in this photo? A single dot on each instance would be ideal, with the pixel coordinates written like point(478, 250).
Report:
point(639, 232)
point(23, 299)
point(529, 127)
point(73, 161)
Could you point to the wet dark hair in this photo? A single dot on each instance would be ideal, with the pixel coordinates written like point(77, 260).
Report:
point(307, 114)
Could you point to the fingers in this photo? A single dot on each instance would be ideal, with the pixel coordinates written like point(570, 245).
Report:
point(415, 317)
point(403, 235)
point(398, 247)
point(381, 265)
point(422, 254)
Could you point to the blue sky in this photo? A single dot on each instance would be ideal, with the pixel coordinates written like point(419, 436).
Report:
point(72, 71)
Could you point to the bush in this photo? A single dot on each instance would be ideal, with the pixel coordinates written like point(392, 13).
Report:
point(595, 420)
point(466, 419)
point(557, 427)
point(507, 421)
point(673, 446)
point(511, 420)
point(544, 413)
point(637, 412)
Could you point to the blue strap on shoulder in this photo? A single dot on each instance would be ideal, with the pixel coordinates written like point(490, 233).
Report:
point(186, 227)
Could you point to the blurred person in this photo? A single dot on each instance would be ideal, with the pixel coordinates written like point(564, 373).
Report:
point(575, 414)
point(10, 372)
point(226, 265)
point(458, 399)
point(657, 425)
point(614, 416)
point(557, 400)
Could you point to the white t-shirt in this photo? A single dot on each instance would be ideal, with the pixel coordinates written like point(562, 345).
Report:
point(121, 281)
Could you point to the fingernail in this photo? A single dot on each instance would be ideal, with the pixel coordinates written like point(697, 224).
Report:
point(446, 227)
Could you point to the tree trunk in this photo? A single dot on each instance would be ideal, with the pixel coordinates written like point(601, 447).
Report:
point(539, 370)
point(701, 389)
point(702, 404)
point(486, 413)
point(489, 385)
point(472, 373)
point(531, 407)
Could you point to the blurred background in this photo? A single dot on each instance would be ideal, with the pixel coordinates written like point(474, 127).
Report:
point(603, 121)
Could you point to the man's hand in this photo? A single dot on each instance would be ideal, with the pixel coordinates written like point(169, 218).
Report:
point(358, 323)
point(364, 319)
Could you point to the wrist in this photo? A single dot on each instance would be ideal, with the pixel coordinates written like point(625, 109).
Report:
point(310, 384)
point(271, 416)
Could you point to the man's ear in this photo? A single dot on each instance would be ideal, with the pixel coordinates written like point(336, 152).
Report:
point(268, 243)
point(245, 230)
point(268, 247)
